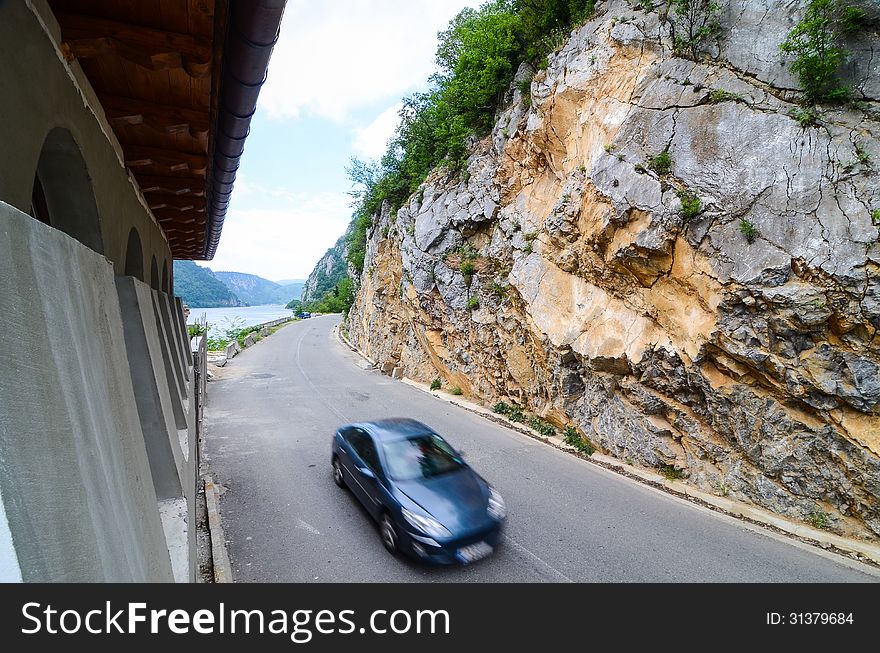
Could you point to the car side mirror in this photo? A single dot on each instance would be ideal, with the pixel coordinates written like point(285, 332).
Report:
point(460, 453)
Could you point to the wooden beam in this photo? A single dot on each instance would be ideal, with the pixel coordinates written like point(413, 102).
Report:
point(89, 36)
point(151, 184)
point(161, 117)
point(138, 156)
point(177, 203)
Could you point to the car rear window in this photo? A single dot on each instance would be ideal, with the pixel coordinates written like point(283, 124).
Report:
point(422, 456)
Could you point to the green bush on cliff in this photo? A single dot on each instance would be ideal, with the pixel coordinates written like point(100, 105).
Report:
point(477, 57)
point(816, 44)
point(336, 300)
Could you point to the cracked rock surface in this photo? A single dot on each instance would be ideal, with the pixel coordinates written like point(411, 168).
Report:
point(589, 299)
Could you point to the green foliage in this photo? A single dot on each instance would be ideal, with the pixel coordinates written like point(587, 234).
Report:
point(819, 519)
point(436, 383)
point(661, 163)
point(294, 305)
point(609, 147)
point(467, 268)
point(199, 288)
point(718, 95)
point(816, 45)
point(749, 230)
point(456, 391)
point(499, 290)
point(671, 472)
point(515, 414)
point(234, 331)
point(473, 303)
point(542, 427)
point(530, 236)
point(195, 330)
point(875, 216)
point(690, 204)
point(862, 156)
point(574, 439)
point(502, 408)
point(693, 21)
point(336, 300)
point(525, 89)
point(805, 117)
point(330, 271)
point(477, 56)
point(544, 23)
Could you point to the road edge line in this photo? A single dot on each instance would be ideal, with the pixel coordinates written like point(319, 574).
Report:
point(219, 555)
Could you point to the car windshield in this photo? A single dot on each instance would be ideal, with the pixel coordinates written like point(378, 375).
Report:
point(423, 456)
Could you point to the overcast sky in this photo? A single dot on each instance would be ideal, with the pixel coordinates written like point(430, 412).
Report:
point(335, 82)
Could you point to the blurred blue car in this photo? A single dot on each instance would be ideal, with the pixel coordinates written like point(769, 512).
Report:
point(429, 503)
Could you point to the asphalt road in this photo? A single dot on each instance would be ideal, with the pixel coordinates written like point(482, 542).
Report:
point(270, 417)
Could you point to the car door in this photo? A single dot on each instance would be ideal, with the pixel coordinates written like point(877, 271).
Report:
point(367, 471)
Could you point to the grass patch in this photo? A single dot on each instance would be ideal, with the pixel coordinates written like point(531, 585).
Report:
point(542, 427)
point(749, 230)
point(690, 204)
point(574, 439)
point(661, 163)
point(719, 95)
point(473, 304)
point(516, 414)
point(671, 472)
point(436, 383)
point(502, 408)
point(805, 117)
point(875, 216)
point(456, 391)
point(819, 519)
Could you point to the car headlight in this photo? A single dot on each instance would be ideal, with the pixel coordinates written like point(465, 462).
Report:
point(497, 509)
point(427, 525)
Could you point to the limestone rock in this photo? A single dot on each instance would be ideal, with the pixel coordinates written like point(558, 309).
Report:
point(754, 366)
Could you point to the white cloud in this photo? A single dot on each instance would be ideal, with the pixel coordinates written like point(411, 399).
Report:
point(370, 142)
point(335, 57)
point(284, 240)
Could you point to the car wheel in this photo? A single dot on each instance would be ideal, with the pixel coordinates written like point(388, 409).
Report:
point(337, 473)
point(388, 534)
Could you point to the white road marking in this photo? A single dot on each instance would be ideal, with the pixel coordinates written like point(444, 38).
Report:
point(308, 527)
point(542, 563)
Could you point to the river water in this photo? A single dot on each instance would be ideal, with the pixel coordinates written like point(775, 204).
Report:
point(221, 319)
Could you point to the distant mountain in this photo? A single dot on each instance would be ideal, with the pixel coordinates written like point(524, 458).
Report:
point(294, 289)
point(199, 288)
point(289, 282)
point(255, 291)
point(329, 271)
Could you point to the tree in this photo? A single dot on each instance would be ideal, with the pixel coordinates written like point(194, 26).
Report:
point(693, 21)
point(816, 44)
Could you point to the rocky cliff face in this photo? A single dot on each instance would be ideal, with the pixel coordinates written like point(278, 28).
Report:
point(562, 275)
point(327, 272)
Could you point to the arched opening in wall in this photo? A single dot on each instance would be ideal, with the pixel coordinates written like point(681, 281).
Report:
point(165, 276)
point(154, 274)
point(134, 256)
point(62, 195)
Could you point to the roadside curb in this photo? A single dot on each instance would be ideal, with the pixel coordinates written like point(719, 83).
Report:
point(222, 567)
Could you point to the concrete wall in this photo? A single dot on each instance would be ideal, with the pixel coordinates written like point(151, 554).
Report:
point(74, 470)
point(98, 428)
